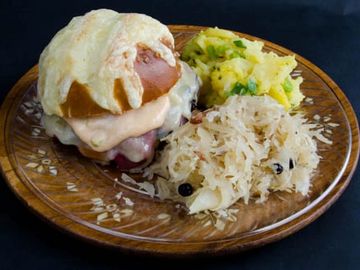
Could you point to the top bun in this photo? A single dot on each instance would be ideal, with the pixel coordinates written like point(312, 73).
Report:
point(106, 62)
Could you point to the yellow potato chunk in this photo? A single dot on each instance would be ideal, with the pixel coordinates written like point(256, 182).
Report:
point(228, 64)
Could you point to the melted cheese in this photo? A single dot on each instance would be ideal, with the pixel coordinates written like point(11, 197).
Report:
point(181, 96)
point(96, 50)
point(105, 132)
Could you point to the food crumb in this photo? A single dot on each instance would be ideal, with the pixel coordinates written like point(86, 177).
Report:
point(333, 124)
point(163, 216)
point(117, 217)
point(126, 212)
point(316, 117)
point(118, 195)
point(101, 217)
point(128, 201)
point(71, 187)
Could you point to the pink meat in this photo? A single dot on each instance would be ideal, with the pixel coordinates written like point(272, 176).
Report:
point(143, 146)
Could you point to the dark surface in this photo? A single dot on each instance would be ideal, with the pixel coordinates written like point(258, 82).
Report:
point(325, 32)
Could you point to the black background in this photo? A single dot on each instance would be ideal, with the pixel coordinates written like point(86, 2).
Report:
point(325, 32)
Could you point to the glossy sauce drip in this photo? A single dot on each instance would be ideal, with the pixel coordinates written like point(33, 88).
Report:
point(79, 103)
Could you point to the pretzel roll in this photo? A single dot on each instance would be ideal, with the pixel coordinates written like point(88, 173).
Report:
point(106, 63)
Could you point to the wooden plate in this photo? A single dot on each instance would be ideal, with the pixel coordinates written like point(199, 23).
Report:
point(80, 197)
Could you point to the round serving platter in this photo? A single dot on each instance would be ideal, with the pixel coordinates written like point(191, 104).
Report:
point(99, 204)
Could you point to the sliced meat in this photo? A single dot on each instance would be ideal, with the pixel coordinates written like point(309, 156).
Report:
point(135, 152)
point(139, 148)
point(124, 164)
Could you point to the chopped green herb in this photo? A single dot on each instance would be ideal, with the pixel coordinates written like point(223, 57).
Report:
point(238, 89)
point(287, 85)
point(220, 51)
point(211, 52)
point(239, 43)
point(251, 86)
point(236, 54)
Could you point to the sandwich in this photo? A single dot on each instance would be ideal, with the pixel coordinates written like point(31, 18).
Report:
point(111, 84)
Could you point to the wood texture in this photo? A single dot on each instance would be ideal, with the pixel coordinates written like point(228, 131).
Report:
point(60, 186)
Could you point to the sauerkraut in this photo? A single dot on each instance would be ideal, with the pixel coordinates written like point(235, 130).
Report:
point(244, 149)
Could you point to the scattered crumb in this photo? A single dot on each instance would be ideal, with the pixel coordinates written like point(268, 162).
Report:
point(322, 138)
point(329, 131)
point(53, 170)
point(128, 201)
point(200, 216)
point(31, 165)
point(71, 187)
point(97, 201)
point(111, 207)
point(41, 152)
point(127, 179)
point(207, 223)
point(28, 104)
point(46, 161)
point(309, 100)
point(38, 115)
point(333, 124)
point(35, 132)
point(148, 173)
point(126, 212)
point(163, 216)
point(118, 195)
point(316, 117)
point(98, 209)
point(148, 187)
point(116, 181)
point(40, 169)
point(101, 217)
point(327, 118)
point(117, 217)
point(220, 225)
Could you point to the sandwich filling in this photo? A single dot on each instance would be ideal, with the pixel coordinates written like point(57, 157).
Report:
point(132, 134)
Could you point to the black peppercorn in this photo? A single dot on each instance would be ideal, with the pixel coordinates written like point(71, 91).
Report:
point(291, 164)
point(278, 168)
point(185, 189)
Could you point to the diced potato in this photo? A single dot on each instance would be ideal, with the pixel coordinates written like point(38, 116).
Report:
point(278, 93)
point(295, 96)
point(273, 71)
point(253, 51)
point(220, 33)
point(223, 60)
point(227, 73)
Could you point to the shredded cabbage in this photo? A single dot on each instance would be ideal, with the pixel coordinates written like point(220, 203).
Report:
point(243, 149)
